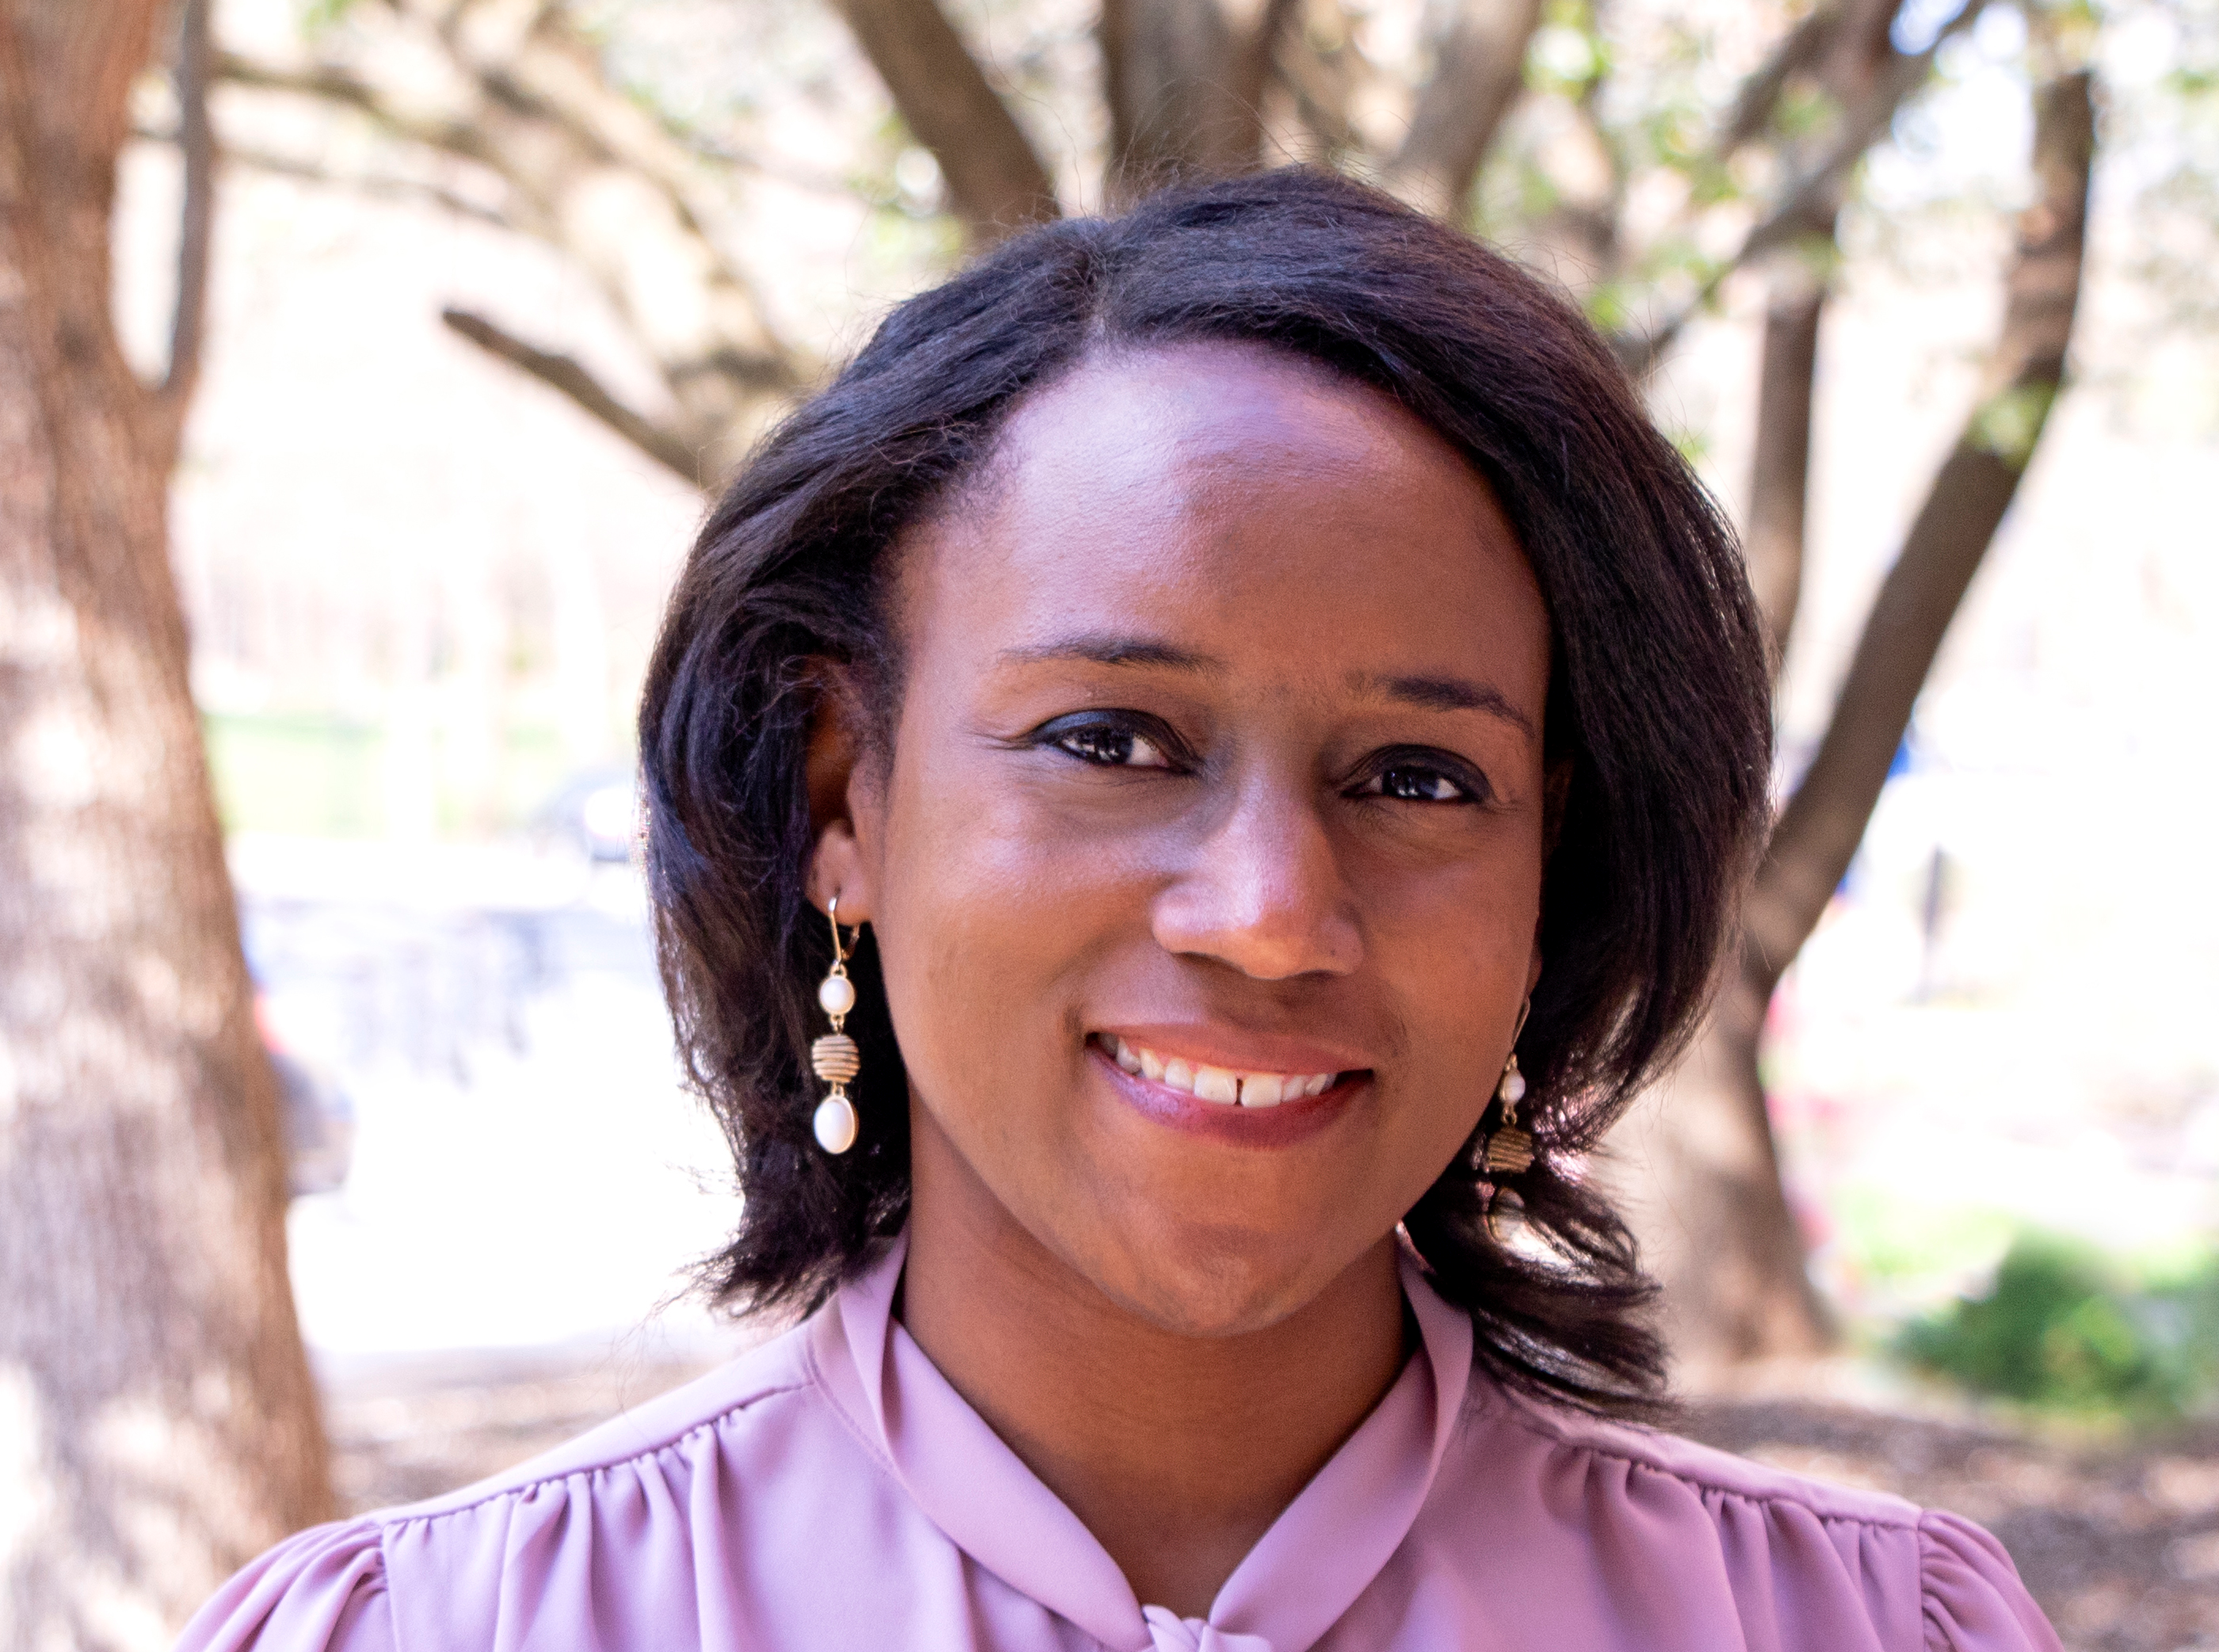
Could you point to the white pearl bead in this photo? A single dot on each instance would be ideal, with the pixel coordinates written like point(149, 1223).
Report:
point(835, 1124)
point(838, 994)
point(1513, 1086)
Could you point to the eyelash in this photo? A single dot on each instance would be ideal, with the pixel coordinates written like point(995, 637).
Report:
point(1468, 790)
point(1084, 739)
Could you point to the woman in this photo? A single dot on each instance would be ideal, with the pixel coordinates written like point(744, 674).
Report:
point(1228, 743)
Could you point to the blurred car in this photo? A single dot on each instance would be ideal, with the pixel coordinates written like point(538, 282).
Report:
point(315, 1113)
point(594, 813)
point(319, 1126)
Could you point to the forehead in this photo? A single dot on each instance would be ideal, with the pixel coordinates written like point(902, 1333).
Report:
point(1197, 485)
point(1163, 429)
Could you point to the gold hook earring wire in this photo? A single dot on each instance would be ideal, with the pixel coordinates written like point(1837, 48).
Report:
point(840, 954)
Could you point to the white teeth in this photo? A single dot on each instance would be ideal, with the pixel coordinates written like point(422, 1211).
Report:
point(1262, 1089)
point(1216, 1084)
point(1220, 1084)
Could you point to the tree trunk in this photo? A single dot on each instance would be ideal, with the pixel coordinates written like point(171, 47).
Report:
point(1711, 1214)
point(1185, 83)
point(1479, 71)
point(159, 1421)
point(1781, 480)
point(996, 182)
point(1714, 1224)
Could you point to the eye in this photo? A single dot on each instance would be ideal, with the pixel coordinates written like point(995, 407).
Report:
point(1414, 780)
point(1108, 745)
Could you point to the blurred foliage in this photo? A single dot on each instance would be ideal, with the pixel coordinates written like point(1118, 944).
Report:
point(1615, 174)
point(1902, 1248)
point(317, 15)
point(321, 774)
point(2064, 1327)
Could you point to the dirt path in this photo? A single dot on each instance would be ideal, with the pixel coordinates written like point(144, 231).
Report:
point(2120, 1543)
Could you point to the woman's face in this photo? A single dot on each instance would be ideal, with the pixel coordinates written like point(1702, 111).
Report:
point(1218, 759)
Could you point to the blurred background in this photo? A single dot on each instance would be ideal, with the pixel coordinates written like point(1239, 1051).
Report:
point(498, 290)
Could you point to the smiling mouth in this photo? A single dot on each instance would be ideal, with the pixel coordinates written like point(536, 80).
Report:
point(1224, 1086)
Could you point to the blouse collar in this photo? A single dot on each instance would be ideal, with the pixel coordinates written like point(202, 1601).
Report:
point(1304, 1573)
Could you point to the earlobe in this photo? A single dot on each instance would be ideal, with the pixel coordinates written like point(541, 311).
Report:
point(836, 868)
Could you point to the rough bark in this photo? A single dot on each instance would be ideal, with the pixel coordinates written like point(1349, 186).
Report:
point(157, 1423)
point(1185, 83)
point(1479, 69)
point(1707, 1203)
point(995, 180)
point(1717, 1230)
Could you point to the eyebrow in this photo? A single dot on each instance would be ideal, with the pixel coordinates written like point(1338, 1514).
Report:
point(1429, 693)
point(1103, 648)
point(1448, 694)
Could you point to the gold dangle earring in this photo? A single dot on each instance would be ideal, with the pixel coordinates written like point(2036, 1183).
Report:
point(835, 1056)
point(1508, 1151)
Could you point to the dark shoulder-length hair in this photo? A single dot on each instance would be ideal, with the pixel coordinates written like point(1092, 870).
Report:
point(1657, 710)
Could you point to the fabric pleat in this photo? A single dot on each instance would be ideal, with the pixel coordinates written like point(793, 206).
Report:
point(830, 1491)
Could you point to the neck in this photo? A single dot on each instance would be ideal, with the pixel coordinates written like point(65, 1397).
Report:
point(1178, 1452)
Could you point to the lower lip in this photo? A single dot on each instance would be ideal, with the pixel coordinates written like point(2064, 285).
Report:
point(1246, 1126)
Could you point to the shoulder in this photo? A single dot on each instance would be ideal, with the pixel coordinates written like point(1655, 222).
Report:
point(329, 1589)
point(1714, 1476)
point(731, 1405)
point(1781, 1558)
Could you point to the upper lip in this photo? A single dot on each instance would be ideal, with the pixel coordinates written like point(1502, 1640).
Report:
point(1239, 1051)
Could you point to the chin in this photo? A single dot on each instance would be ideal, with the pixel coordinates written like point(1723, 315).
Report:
point(1208, 1282)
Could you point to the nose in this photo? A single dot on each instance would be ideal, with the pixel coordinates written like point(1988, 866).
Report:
point(1263, 890)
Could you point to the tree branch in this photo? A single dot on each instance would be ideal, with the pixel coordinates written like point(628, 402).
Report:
point(1824, 821)
point(1321, 90)
point(196, 144)
point(1780, 479)
point(1479, 72)
point(1185, 81)
point(1801, 47)
point(591, 173)
point(1255, 55)
point(1810, 200)
point(1807, 201)
point(995, 180)
point(332, 85)
point(377, 186)
point(564, 373)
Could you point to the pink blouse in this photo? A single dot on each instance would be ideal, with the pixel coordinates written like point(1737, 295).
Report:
point(829, 1491)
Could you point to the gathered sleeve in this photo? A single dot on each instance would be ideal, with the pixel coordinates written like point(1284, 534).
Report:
point(1970, 1592)
point(321, 1590)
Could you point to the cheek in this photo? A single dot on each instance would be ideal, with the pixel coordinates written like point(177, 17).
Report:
point(1452, 954)
point(982, 925)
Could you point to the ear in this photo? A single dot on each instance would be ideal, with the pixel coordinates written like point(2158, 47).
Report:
point(834, 771)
